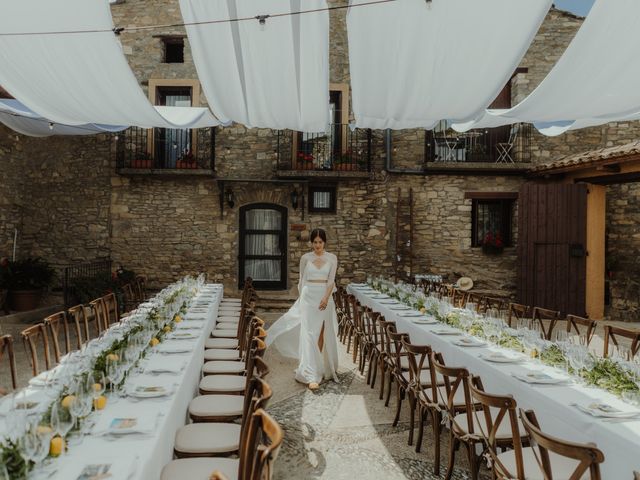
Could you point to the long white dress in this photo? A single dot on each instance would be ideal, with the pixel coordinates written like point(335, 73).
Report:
point(296, 333)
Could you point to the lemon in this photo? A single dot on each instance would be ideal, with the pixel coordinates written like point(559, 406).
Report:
point(113, 357)
point(177, 319)
point(97, 387)
point(423, 310)
point(167, 328)
point(67, 401)
point(154, 341)
point(100, 402)
point(56, 447)
point(44, 429)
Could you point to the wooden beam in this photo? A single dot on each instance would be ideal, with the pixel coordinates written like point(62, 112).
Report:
point(630, 177)
point(491, 195)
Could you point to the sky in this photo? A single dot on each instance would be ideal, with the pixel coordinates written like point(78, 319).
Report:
point(579, 7)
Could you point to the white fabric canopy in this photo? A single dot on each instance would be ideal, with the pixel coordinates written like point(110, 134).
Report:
point(594, 82)
point(274, 75)
point(80, 78)
point(23, 120)
point(413, 63)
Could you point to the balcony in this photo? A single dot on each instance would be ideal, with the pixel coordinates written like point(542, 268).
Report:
point(338, 152)
point(161, 151)
point(500, 150)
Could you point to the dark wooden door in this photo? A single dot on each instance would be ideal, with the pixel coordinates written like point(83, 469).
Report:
point(552, 239)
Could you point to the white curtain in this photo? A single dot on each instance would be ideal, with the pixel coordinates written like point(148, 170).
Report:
point(274, 75)
point(23, 120)
point(80, 78)
point(263, 244)
point(594, 82)
point(413, 63)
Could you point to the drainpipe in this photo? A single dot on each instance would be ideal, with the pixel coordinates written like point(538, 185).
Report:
point(389, 168)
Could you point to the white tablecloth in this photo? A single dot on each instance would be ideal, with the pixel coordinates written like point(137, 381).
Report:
point(149, 453)
point(619, 440)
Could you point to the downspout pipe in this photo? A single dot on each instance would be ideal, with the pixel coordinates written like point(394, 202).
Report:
point(388, 162)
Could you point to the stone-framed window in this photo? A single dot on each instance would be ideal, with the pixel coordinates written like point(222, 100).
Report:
point(322, 198)
point(491, 217)
point(173, 49)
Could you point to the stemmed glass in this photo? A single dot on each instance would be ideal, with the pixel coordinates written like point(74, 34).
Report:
point(61, 421)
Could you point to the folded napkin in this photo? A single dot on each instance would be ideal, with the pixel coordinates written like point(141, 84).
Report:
point(123, 424)
point(148, 387)
point(98, 465)
point(179, 347)
point(604, 410)
point(539, 378)
point(164, 364)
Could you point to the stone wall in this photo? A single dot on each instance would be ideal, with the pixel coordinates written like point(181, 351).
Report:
point(11, 190)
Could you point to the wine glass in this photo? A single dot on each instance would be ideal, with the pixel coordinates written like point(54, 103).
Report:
point(61, 421)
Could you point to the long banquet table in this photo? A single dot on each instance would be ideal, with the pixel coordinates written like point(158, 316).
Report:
point(618, 439)
point(142, 456)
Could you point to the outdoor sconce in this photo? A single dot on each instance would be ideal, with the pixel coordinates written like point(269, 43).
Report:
point(229, 196)
point(294, 199)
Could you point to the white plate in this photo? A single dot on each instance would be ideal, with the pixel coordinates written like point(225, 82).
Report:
point(400, 307)
point(539, 378)
point(148, 391)
point(380, 297)
point(603, 410)
point(389, 302)
point(469, 342)
point(168, 349)
point(411, 314)
point(184, 335)
point(446, 331)
point(501, 358)
point(424, 321)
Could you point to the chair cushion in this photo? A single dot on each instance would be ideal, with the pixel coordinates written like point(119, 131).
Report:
point(504, 430)
point(226, 326)
point(221, 343)
point(562, 467)
point(223, 383)
point(208, 438)
point(222, 366)
point(230, 333)
point(425, 377)
point(200, 468)
point(228, 318)
point(225, 308)
point(221, 354)
point(216, 405)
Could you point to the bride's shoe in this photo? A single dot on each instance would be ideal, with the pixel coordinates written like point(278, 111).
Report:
point(313, 386)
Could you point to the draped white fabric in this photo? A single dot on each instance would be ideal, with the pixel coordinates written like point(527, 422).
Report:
point(80, 78)
point(23, 120)
point(413, 63)
point(594, 82)
point(274, 75)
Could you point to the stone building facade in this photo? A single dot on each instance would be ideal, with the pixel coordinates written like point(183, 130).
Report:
point(69, 203)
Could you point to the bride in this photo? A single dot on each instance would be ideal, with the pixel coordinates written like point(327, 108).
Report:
point(308, 331)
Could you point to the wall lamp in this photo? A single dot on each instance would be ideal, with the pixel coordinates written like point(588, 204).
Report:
point(294, 199)
point(229, 197)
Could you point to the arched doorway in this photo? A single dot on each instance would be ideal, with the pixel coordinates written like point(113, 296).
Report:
point(263, 246)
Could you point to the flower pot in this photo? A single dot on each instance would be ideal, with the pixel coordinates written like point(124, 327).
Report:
point(141, 163)
point(492, 249)
point(22, 300)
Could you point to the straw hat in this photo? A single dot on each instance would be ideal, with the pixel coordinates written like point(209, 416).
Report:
point(464, 283)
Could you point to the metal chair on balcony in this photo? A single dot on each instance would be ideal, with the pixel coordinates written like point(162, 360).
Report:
point(506, 148)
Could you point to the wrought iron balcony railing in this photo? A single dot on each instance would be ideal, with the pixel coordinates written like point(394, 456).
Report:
point(507, 144)
point(338, 149)
point(166, 149)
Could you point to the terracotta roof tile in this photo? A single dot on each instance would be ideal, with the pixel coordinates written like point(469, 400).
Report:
point(592, 156)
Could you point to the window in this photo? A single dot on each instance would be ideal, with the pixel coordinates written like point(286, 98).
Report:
point(491, 217)
point(176, 147)
point(173, 50)
point(322, 199)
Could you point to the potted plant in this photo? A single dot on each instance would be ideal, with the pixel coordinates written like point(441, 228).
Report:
point(25, 279)
point(493, 243)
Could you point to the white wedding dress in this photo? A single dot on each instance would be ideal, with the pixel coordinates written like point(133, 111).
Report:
point(296, 333)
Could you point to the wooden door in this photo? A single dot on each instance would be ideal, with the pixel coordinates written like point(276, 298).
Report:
point(552, 242)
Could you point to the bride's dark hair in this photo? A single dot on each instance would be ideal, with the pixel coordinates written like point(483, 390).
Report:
point(318, 232)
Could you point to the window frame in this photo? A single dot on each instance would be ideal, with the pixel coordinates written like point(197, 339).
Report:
point(332, 190)
point(166, 41)
point(506, 201)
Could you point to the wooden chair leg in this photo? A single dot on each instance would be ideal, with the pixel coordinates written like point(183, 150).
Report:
point(436, 439)
point(454, 444)
point(383, 370)
point(422, 416)
point(412, 421)
point(473, 460)
point(386, 403)
point(399, 398)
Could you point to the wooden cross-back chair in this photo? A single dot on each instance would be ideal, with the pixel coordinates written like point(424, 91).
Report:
point(516, 311)
point(489, 303)
point(500, 418)
point(574, 322)
point(99, 314)
point(387, 358)
point(79, 316)
point(614, 334)
point(34, 339)
point(476, 299)
point(140, 288)
point(400, 368)
point(129, 295)
point(57, 325)
point(6, 348)
point(540, 315)
point(587, 457)
point(375, 338)
point(111, 309)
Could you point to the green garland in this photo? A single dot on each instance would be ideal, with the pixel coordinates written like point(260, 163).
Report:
point(610, 376)
point(17, 467)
